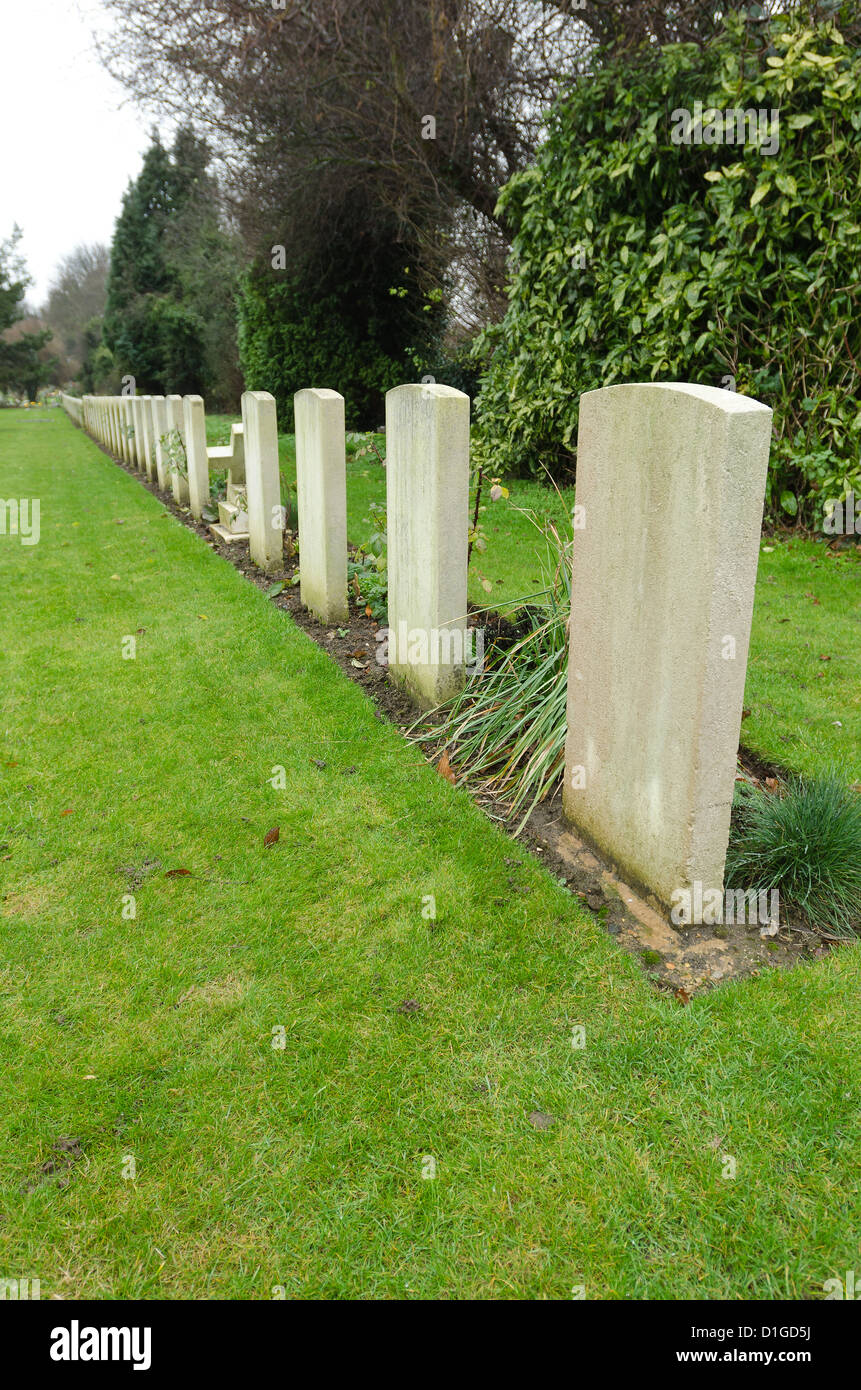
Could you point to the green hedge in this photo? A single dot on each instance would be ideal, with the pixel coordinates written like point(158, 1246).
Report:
point(637, 258)
point(290, 339)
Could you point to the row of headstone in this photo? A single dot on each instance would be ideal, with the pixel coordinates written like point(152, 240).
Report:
point(165, 437)
point(670, 489)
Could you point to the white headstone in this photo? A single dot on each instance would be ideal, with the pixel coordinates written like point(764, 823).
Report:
point(670, 486)
point(195, 452)
point(321, 485)
point(427, 473)
point(263, 479)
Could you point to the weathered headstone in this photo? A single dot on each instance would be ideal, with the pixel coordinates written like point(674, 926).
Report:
point(159, 428)
point(263, 479)
point(195, 453)
point(147, 454)
point(427, 473)
point(670, 486)
point(321, 485)
point(176, 449)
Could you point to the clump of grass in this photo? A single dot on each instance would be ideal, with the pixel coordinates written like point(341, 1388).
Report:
point(506, 730)
point(805, 841)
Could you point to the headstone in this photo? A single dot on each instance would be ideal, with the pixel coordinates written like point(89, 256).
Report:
point(146, 436)
point(263, 479)
point(195, 452)
point(178, 468)
point(321, 485)
point(137, 421)
point(159, 428)
point(427, 472)
point(670, 486)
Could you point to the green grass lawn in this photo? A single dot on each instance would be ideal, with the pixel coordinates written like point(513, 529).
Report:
point(151, 1038)
point(805, 712)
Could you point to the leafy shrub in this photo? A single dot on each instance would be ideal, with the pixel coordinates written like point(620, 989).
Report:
point(806, 842)
point(635, 258)
point(292, 337)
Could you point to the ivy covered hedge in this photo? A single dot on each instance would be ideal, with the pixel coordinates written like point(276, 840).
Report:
point(636, 258)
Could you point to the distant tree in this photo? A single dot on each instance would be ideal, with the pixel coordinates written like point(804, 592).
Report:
point(169, 320)
point(76, 302)
point(25, 364)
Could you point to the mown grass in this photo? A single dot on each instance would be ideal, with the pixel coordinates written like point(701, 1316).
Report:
point(301, 1168)
point(805, 711)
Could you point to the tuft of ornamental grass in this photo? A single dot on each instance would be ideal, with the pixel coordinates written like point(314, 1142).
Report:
point(506, 729)
point(805, 841)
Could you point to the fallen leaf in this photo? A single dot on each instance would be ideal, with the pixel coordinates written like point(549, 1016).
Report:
point(271, 836)
point(772, 783)
point(359, 653)
point(179, 873)
point(318, 762)
point(68, 811)
point(408, 1006)
point(369, 612)
point(203, 617)
point(444, 769)
point(682, 995)
point(360, 665)
point(745, 714)
point(825, 658)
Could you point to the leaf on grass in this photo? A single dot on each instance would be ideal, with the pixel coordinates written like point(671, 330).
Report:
point(745, 714)
point(179, 873)
point(444, 768)
point(682, 995)
point(318, 762)
point(68, 811)
point(272, 835)
point(772, 783)
point(408, 1006)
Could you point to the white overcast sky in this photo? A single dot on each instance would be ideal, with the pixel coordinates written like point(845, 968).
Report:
point(69, 139)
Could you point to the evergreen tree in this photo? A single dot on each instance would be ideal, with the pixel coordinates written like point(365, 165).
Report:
point(152, 335)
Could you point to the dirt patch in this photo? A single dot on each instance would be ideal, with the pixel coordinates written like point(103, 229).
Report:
point(681, 960)
point(65, 1154)
point(28, 903)
point(224, 991)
